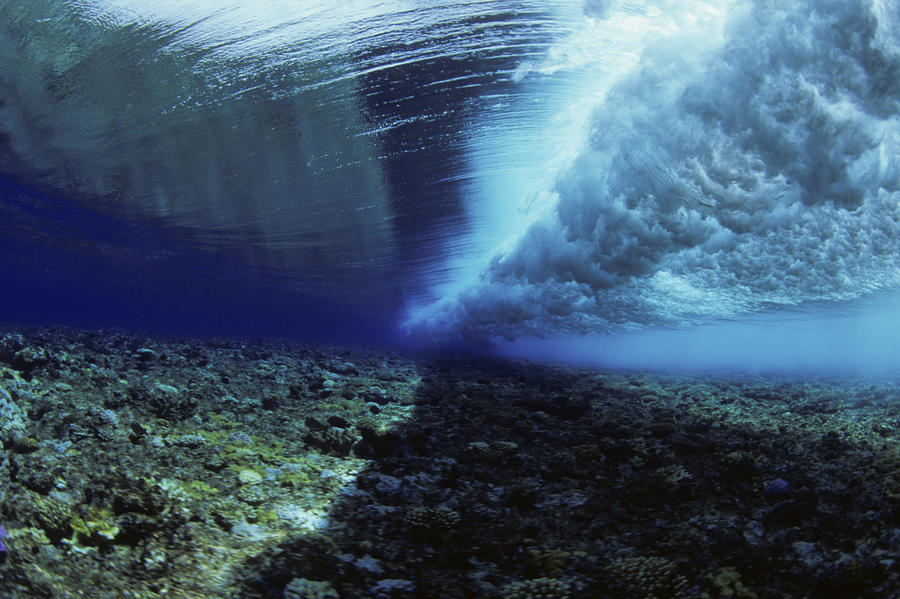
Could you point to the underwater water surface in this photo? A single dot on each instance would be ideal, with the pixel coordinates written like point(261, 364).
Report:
point(628, 183)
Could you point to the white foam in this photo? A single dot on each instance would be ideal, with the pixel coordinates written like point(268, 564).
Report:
point(747, 160)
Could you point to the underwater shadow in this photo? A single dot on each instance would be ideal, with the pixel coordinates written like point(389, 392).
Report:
point(520, 480)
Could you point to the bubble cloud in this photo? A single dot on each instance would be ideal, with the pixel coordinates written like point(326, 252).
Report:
point(725, 174)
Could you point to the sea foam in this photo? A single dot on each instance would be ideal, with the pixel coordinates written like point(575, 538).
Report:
point(747, 160)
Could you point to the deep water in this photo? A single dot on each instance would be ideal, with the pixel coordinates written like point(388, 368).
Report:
point(632, 184)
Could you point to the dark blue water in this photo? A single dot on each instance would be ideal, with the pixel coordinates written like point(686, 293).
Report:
point(690, 184)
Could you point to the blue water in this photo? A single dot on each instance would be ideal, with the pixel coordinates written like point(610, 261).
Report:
point(627, 183)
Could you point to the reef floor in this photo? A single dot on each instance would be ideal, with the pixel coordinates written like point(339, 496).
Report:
point(140, 467)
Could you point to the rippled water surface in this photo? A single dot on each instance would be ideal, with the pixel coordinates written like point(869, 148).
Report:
point(452, 171)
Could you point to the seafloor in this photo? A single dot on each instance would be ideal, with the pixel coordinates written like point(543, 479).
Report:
point(138, 467)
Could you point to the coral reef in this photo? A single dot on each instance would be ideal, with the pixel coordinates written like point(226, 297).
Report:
point(143, 467)
point(537, 588)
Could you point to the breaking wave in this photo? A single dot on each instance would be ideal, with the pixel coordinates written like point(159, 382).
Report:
point(747, 159)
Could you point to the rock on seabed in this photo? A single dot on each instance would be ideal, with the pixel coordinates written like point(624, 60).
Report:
point(424, 476)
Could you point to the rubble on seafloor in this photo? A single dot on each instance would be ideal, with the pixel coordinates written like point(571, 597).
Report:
point(140, 467)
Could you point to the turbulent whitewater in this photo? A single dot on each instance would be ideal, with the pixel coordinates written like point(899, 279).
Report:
point(749, 159)
point(475, 170)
